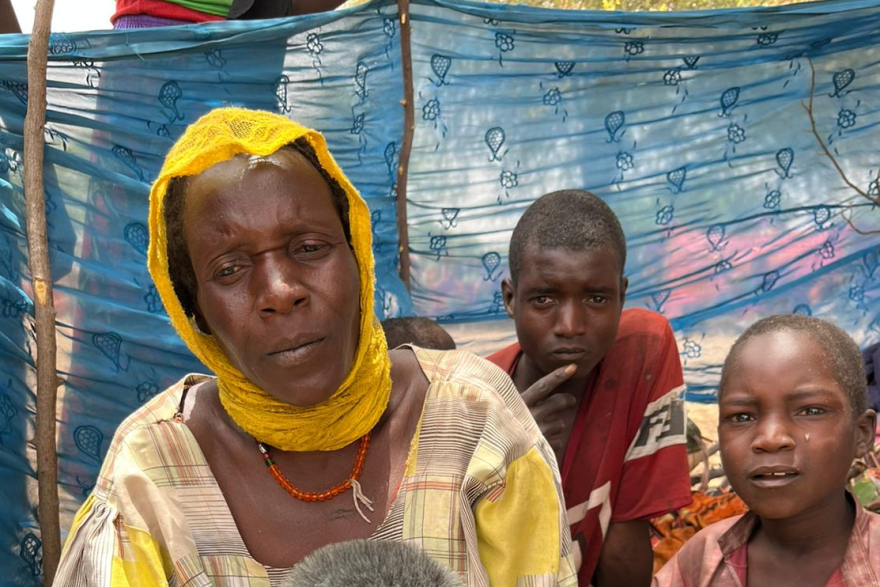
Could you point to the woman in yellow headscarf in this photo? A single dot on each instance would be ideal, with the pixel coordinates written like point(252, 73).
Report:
point(311, 432)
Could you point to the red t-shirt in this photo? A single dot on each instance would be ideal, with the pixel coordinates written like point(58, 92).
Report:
point(626, 459)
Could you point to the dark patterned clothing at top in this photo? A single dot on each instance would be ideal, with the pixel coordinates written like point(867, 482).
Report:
point(717, 555)
point(626, 459)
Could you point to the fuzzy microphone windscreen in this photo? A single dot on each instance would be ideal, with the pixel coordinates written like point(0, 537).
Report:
point(363, 563)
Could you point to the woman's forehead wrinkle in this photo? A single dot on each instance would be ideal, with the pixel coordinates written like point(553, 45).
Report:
point(217, 176)
point(235, 169)
point(283, 158)
point(227, 207)
point(257, 161)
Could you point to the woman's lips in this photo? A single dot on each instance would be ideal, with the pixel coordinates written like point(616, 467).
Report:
point(296, 355)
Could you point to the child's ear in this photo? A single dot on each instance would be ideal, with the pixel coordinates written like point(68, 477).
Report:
point(624, 283)
point(865, 429)
point(507, 294)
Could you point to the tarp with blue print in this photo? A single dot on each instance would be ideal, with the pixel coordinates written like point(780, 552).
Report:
point(692, 126)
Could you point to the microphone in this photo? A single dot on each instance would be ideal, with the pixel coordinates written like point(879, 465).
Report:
point(365, 563)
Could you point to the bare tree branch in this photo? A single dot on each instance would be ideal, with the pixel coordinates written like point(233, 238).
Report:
point(41, 281)
point(846, 213)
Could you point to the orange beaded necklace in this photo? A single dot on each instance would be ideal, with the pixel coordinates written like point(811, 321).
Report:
point(352, 481)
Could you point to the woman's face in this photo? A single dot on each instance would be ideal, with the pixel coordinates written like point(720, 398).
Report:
point(278, 285)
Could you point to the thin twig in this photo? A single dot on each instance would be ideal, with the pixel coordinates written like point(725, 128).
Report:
point(41, 281)
point(846, 213)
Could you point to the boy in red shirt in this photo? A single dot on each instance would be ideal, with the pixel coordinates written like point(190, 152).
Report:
point(603, 384)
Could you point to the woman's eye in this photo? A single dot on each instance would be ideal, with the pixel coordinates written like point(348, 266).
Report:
point(310, 248)
point(228, 271)
point(739, 418)
point(542, 300)
point(598, 300)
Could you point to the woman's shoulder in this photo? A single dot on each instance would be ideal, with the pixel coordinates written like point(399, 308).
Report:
point(137, 429)
point(472, 373)
point(476, 377)
point(475, 400)
point(163, 407)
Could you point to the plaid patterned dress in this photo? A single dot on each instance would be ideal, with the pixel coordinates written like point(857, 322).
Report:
point(480, 494)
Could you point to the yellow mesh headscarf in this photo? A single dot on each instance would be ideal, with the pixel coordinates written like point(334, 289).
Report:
point(360, 401)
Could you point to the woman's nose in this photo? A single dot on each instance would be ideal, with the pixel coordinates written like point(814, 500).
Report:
point(279, 289)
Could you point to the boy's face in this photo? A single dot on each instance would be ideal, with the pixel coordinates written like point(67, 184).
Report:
point(786, 427)
point(566, 306)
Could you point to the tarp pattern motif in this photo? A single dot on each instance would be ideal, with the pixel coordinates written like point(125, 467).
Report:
point(691, 125)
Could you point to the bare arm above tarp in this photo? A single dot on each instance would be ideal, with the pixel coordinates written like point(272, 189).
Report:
point(8, 22)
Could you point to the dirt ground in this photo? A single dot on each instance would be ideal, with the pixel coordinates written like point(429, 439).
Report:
point(705, 416)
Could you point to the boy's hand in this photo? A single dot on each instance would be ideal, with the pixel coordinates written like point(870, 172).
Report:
point(548, 411)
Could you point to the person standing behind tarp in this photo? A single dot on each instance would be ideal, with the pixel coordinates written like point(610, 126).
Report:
point(8, 22)
point(139, 14)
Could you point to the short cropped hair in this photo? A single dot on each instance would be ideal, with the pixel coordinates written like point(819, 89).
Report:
point(575, 220)
point(841, 352)
point(422, 332)
point(370, 563)
point(180, 267)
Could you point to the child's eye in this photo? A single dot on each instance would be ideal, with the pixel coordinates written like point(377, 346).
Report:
point(598, 300)
point(541, 300)
point(813, 411)
point(740, 418)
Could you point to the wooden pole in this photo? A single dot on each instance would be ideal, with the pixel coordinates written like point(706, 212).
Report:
point(408, 130)
point(41, 281)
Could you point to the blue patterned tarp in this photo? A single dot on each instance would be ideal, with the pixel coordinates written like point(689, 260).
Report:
point(691, 125)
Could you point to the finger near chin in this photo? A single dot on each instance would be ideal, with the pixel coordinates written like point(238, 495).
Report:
point(558, 402)
point(555, 425)
point(545, 415)
point(552, 434)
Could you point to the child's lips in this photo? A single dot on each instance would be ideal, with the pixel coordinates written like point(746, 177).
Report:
point(773, 477)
